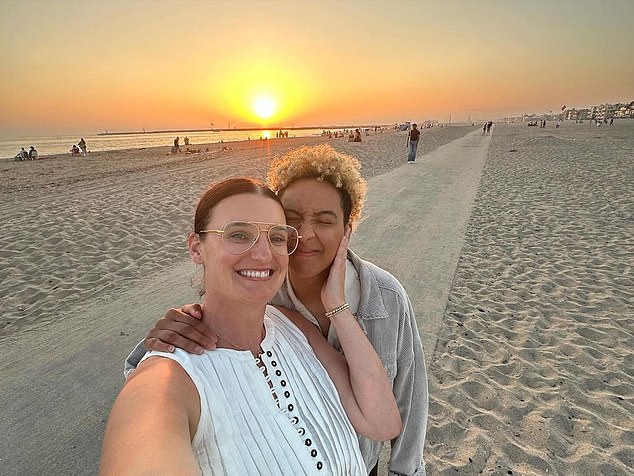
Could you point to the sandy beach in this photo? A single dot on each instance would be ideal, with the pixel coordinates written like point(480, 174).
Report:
point(516, 249)
point(533, 369)
point(77, 229)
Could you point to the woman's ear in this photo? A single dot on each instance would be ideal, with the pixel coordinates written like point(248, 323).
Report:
point(195, 248)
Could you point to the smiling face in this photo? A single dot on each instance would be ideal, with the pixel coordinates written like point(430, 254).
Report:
point(254, 276)
point(314, 208)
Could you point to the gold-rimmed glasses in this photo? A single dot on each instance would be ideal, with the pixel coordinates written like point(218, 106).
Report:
point(239, 236)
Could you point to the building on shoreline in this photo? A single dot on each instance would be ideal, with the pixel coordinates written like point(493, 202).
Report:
point(613, 111)
point(577, 114)
point(601, 112)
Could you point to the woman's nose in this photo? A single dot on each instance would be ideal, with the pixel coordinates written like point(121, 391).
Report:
point(306, 230)
point(262, 247)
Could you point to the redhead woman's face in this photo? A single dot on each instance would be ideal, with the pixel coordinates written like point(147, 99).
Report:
point(253, 276)
point(314, 208)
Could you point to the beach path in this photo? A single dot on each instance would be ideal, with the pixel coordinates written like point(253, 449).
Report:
point(414, 224)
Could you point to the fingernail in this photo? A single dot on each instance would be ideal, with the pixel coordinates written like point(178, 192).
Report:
point(171, 349)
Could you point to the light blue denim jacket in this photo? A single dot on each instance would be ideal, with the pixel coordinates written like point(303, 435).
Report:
point(386, 316)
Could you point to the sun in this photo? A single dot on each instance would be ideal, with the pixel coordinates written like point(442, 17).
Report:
point(264, 107)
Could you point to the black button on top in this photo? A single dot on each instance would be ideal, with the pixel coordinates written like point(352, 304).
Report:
point(307, 442)
point(273, 363)
point(291, 407)
point(294, 420)
point(301, 432)
point(283, 383)
point(287, 394)
point(319, 465)
point(313, 452)
point(269, 353)
point(278, 373)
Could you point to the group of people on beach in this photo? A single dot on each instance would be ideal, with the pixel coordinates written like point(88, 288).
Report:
point(330, 134)
point(83, 148)
point(302, 358)
point(354, 136)
point(486, 128)
point(80, 148)
point(177, 146)
point(31, 154)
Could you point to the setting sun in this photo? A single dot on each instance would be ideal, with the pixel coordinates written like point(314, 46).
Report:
point(264, 107)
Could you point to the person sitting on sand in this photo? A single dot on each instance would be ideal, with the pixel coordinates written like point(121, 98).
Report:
point(32, 153)
point(273, 398)
point(357, 136)
point(22, 155)
point(74, 150)
point(323, 193)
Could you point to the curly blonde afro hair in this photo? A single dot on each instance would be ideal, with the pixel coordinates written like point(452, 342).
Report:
point(324, 164)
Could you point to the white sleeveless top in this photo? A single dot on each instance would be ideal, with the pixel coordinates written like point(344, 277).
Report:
point(243, 430)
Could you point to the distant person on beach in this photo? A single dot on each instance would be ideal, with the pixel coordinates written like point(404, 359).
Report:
point(176, 147)
point(273, 397)
point(611, 121)
point(22, 155)
point(186, 139)
point(84, 148)
point(32, 153)
point(484, 128)
point(323, 193)
point(489, 125)
point(357, 135)
point(412, 144)
point(74, 150)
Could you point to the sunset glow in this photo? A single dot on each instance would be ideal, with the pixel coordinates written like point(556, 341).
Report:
point(264, 107)
point(170, 65)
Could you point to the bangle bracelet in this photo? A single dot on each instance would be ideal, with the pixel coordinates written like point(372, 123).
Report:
point(336, 310)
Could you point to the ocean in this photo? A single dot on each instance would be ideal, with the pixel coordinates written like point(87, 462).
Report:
point(52, 145)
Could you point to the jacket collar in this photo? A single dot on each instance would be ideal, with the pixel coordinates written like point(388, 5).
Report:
point(371, 304)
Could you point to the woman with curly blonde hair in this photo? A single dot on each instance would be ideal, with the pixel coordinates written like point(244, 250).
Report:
point(324, 164)
point(322, 192)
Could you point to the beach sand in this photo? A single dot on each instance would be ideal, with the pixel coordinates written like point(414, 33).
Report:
point(533, 368)
point(522, 288)
point(77, 229)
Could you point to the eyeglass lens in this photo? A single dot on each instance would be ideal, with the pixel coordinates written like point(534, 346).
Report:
point(239, 237)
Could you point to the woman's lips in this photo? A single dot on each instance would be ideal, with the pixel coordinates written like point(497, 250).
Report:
point(305, 252)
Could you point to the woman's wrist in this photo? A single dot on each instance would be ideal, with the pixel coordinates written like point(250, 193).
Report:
point(332, 312)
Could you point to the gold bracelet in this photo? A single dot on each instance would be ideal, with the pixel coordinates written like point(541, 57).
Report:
point(337, 310)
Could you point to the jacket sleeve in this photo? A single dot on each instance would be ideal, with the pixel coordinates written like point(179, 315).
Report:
point(133, 359)
point(410, 390)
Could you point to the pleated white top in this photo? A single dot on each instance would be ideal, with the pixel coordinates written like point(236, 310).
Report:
point(295, 426)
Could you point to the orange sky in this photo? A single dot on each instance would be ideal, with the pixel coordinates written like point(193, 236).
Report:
point(86, 67)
